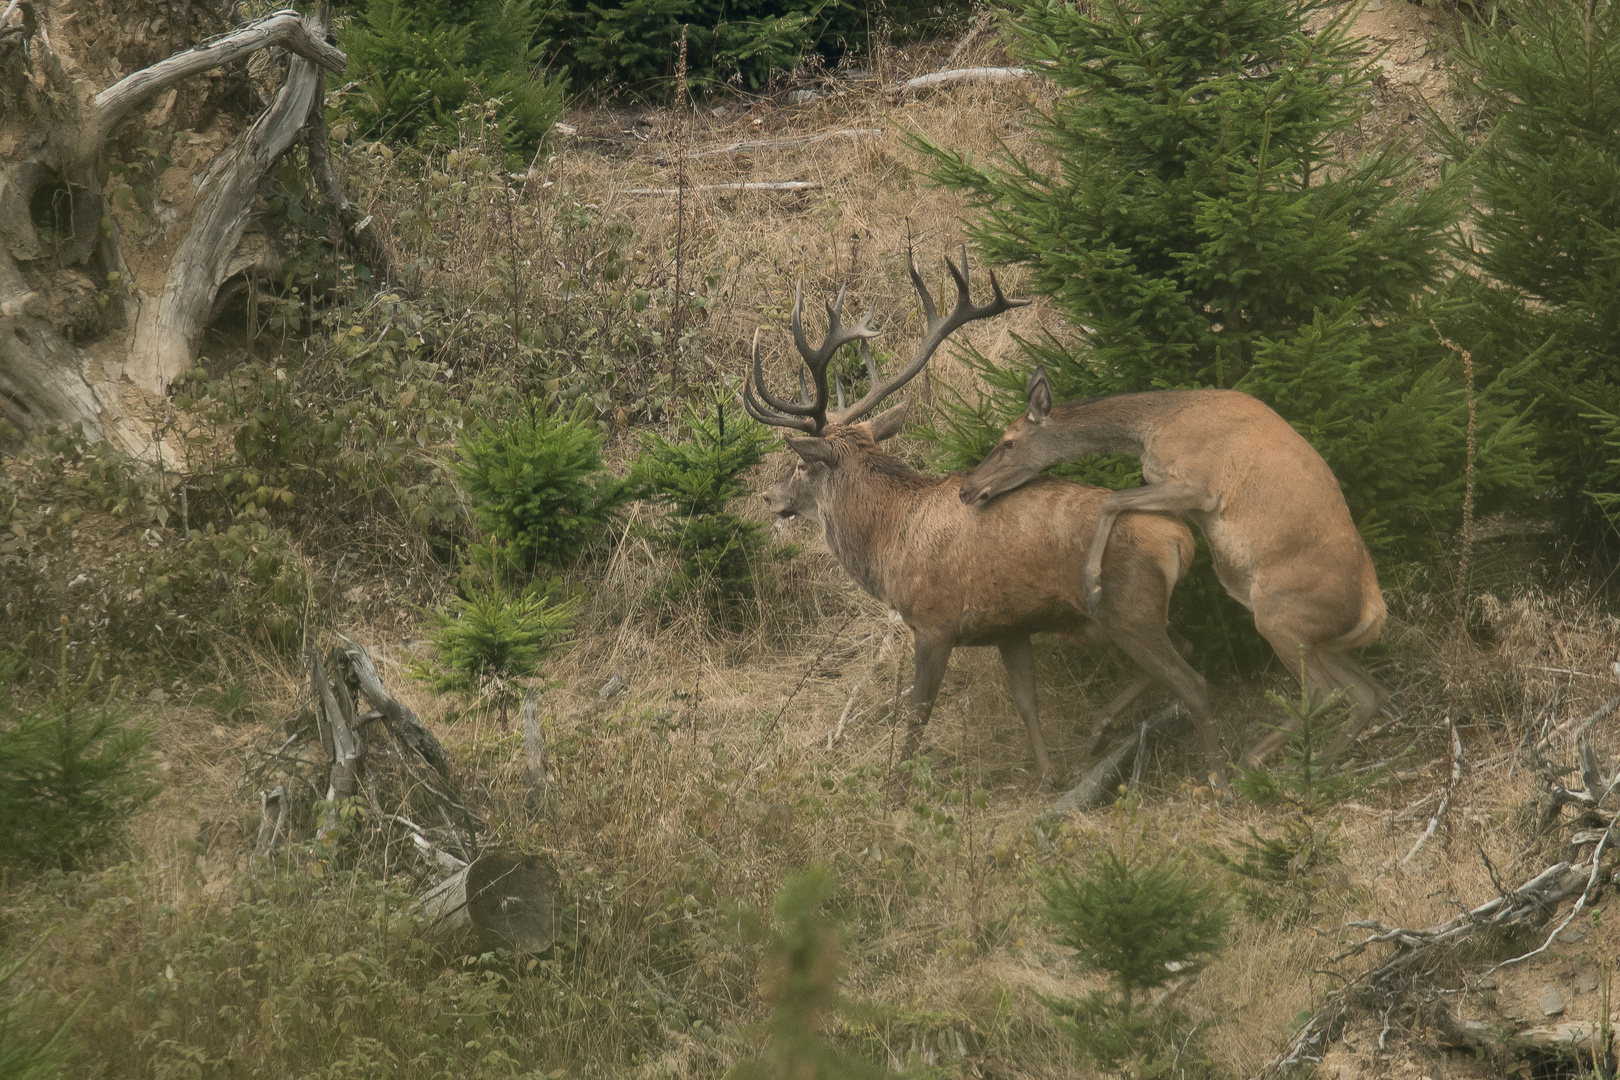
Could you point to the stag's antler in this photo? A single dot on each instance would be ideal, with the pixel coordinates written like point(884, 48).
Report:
point(813, 417)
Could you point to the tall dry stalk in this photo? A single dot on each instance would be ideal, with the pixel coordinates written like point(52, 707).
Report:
point(1468, 473)
point(677, 312)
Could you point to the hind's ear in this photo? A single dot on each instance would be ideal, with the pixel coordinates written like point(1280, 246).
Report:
point(812, 450)
point(1040, 396)
point(889, 423)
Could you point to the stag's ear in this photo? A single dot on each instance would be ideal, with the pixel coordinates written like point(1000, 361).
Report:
point(813, 450)
point(1040, 396)
point(889, 423)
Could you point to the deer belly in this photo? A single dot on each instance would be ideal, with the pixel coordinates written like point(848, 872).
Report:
point(989, 626)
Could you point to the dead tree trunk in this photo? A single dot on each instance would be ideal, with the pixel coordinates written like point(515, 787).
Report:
point(80, 341)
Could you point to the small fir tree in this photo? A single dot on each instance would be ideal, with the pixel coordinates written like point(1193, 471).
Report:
point(72, 768)
point(539, 487)
point(1547, 235)
point(417, 62)
point(696, 480)
point(1285, 869)
point(1194, 213)
point(1142, 919)
point(800, 983)
point(488, 636)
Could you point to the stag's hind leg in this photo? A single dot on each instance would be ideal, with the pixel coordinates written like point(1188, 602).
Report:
point(1019, 659)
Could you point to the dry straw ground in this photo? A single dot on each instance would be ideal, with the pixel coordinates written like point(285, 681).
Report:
point(716, 773)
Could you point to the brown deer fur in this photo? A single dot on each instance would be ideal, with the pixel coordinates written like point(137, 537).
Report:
point(960, 576)
point(1283, 541)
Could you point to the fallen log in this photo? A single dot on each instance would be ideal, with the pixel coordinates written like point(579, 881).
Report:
point(1097, 786)
point(936, 79)
point(502, 900)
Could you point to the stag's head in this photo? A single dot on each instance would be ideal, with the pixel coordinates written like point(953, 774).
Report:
point(830, 437)
point(1022, 452)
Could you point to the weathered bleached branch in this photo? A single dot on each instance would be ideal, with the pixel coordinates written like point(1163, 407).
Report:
point(286, 29)
point(936, 79)
point(166, 331)
point(745, 146)
point(1097, 785)
point(399, 718)
point(773, 185)
point(359, 229)
point(534, 743)
point(271, 829)
point(1445, 801)
point(346, 746)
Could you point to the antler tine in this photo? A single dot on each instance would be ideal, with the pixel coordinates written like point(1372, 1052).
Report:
point(799, 418)
point(938, 330)
point(783, 407)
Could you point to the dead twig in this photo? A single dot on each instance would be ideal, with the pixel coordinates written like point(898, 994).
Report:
point(1445, 800)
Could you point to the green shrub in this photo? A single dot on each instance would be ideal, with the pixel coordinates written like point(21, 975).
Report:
point(488, 635)
point(418, 62)
point(1285, 870)
point(72, 769)
point(800, 983)
point(1140, 918)
point(695, 480)
point(1195, 216)
point(1546, 233)
point(25, 1052)
point(743, 43)
point(538, 484)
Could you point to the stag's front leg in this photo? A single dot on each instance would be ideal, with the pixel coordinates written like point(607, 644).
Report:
point(932, 654)
point(1019, 659)
point(1168, 497)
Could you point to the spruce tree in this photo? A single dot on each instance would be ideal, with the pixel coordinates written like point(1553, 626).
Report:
point(1547, 235)
point(1192, 209)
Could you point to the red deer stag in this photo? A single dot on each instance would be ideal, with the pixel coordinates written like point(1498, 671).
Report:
point(1282, 538)
point(962, 577)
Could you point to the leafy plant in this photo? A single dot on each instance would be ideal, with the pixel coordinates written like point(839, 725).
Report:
point(24, 1054)
point(72, 769)
point(1141, 918)
point(487, 636)
point(538, 484)
point(696, 479)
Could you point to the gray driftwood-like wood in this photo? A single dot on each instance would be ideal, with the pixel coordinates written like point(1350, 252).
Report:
point(398, 716)
point(347, 748)
point(506, 901)
point(1097, 786)
point(534, 744)
point(59, 129)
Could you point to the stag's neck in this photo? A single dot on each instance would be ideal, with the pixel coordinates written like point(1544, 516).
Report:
point(1121, 424)
point(865, 520)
